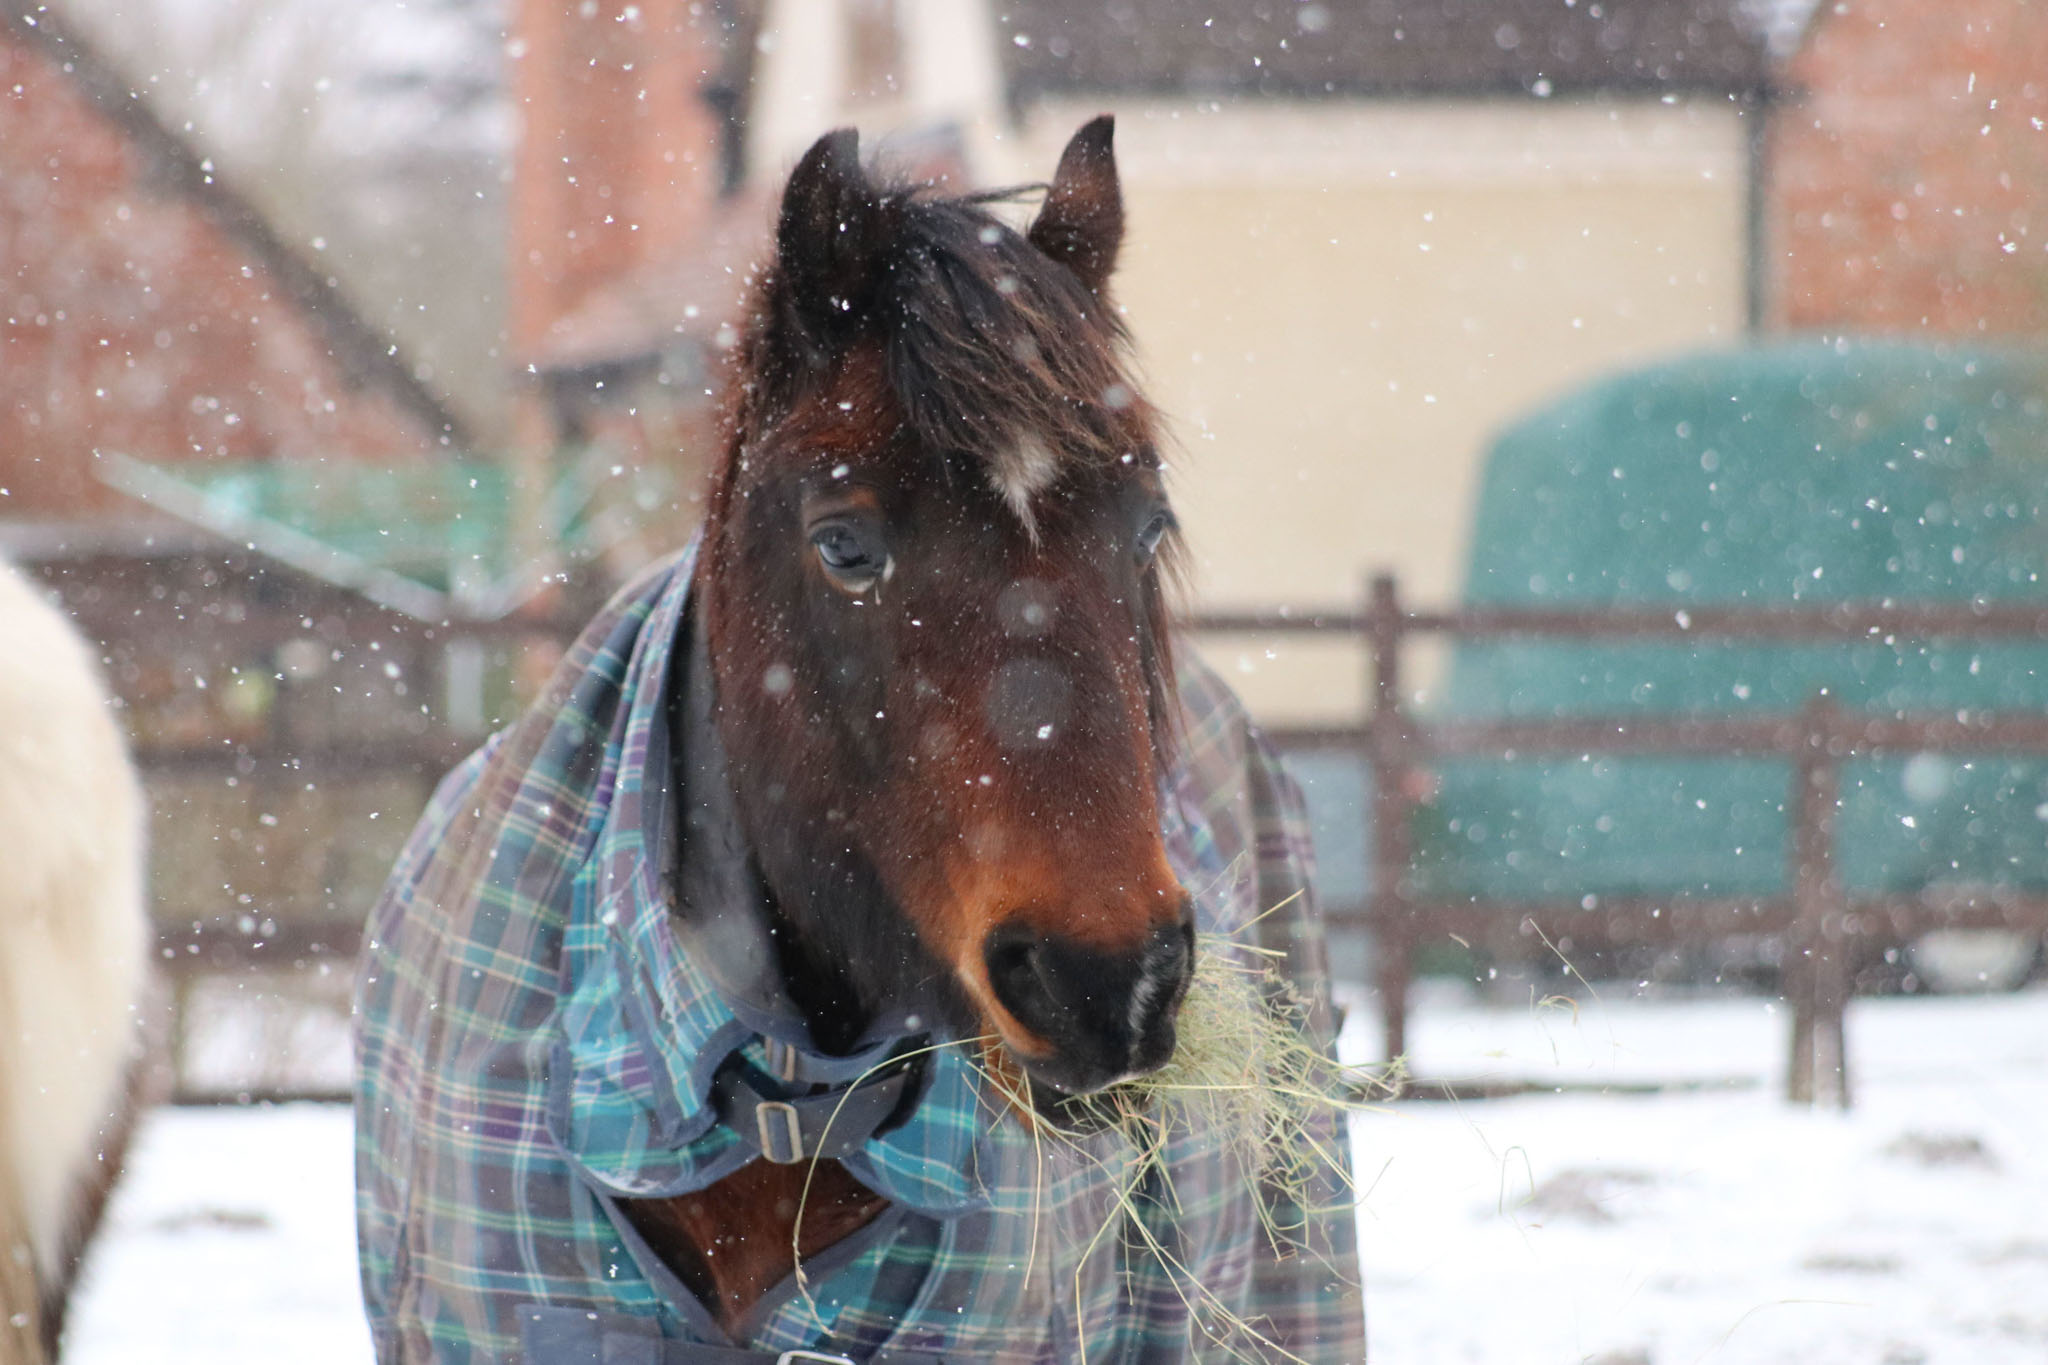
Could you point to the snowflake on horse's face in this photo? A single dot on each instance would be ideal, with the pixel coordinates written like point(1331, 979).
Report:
point(932, 589)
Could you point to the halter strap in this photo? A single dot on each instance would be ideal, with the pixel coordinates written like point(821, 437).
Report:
point(826, 1123)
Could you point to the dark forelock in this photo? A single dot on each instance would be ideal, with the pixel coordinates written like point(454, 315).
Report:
point(990, 344)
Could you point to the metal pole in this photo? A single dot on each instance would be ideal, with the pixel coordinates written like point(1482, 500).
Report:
point(1385, 751)
point(1816, 972)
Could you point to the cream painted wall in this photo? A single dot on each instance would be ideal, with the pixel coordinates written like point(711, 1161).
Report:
point(1338, 302)
point(1338, 305)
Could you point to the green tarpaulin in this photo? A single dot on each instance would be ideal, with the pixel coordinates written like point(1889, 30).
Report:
point(1799, 474)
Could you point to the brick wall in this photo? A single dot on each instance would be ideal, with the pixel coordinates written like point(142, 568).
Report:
point(1908, 172)
point(130, 323)
point(617, 157)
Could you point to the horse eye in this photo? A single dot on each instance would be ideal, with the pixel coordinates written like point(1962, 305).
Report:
point(839, 548)
point(849, 554)
point(1154, 532)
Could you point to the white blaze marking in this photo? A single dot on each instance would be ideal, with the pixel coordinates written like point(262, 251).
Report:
point(1022, 476)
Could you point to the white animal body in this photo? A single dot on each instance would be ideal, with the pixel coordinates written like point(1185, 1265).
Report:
point(73, 954)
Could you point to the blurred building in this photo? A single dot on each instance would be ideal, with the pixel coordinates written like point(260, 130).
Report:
point(1908, 171)
point(156, 331)
point(1364, 236)
point(630, 238)
point(150, 311)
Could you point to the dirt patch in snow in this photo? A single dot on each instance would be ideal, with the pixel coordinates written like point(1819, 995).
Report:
point(1587, 1193)
point(1942, 1149)
point(1852, 1263)
point(213, 1218)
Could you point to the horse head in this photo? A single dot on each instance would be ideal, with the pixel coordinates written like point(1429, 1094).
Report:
point(933, 589)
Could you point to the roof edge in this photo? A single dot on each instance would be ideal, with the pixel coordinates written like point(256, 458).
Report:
point(367, 356)
point(1027, 92)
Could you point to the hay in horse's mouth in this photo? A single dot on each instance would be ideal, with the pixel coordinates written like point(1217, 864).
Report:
point(1243, 1067)
point(1246, 1073)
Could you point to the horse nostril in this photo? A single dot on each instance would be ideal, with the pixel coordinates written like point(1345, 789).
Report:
point(1100, 1015)
point(1017, 971)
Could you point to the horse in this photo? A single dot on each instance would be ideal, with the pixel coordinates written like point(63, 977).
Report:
point(73, 964)
point(847, 855)
point(958, 571)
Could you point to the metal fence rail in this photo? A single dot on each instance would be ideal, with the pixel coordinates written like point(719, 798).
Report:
point(1821, 924)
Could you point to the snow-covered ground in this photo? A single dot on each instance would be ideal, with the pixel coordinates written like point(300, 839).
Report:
point(231, 1241)
point(1720, 1225)
point(1708, 1225)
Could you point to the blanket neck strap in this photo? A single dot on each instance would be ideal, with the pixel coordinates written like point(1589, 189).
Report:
point(785, 1125)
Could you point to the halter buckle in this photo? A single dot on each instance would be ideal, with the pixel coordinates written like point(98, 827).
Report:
point(782, 1059)
point(782, 1141)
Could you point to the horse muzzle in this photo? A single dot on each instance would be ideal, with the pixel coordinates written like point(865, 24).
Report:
point(1097, 1017)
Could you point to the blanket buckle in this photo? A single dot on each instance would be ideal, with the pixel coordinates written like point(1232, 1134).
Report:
point(782, 1141)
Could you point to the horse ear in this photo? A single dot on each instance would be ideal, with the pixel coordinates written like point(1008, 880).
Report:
point(830, 236)
point(1082, 223)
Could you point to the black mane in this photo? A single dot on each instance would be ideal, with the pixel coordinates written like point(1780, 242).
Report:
point(987, 342)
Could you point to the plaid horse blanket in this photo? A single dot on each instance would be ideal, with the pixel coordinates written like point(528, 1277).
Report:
point(538, 1030)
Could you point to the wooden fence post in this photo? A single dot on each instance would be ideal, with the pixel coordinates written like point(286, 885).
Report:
point(1386, 732)
point(1816, 976)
